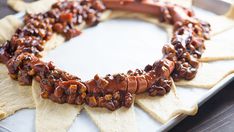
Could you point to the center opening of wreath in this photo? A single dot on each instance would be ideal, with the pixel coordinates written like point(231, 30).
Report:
point(114, 46)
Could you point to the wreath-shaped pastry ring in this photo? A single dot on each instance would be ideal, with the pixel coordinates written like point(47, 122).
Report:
point(180, 61)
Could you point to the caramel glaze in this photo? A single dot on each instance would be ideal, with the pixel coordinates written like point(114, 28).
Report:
point(21, 54)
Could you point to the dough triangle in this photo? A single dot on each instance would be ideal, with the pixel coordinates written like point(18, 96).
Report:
point(32, 7)
point(3, 69)
point(121, 120)
point(230, 13)
point(13, 96)
point(218, 50)
point(209, 74)
point(219, 24)
point(50, 116)
point(8, 25)
point(166, 107)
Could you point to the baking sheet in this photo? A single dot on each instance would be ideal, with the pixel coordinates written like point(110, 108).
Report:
point(116, 46)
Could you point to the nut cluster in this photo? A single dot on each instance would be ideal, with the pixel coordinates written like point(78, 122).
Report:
point(67, 15)
point(188, 41)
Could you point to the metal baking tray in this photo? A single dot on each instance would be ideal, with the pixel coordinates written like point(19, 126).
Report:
point(23, 120)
